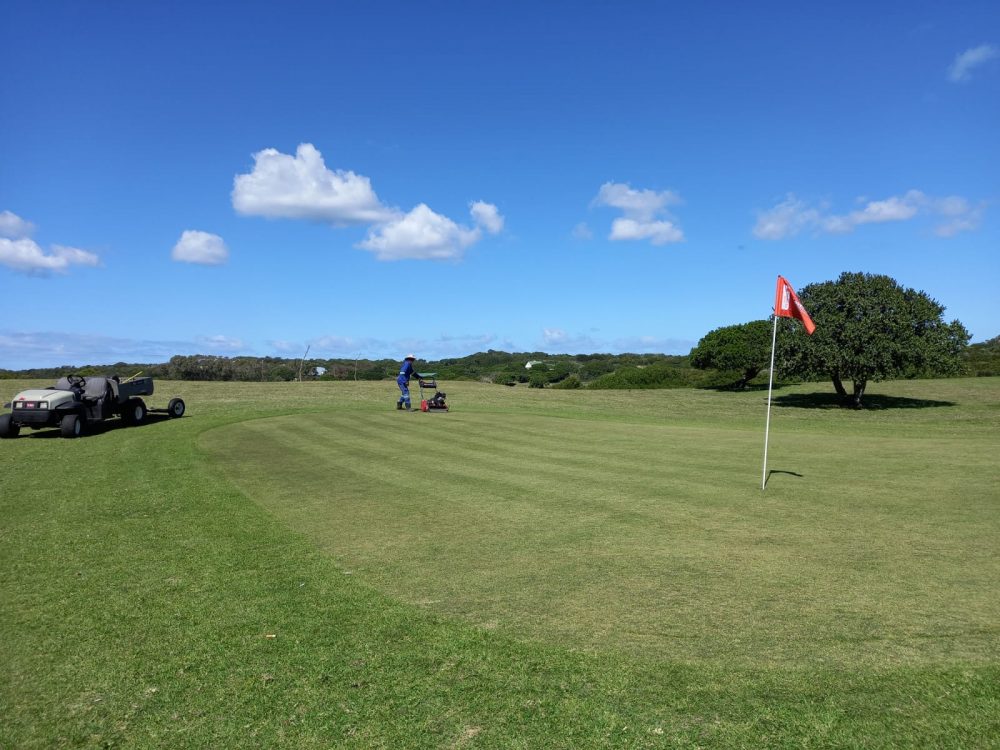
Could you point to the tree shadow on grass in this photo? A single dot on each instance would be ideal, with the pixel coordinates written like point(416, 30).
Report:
point(871, 402)
point(734, 387)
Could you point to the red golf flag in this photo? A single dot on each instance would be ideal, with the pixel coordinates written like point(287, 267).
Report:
point(787, 305)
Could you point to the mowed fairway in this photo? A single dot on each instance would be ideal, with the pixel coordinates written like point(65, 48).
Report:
point(299, 565)
point(649, 537)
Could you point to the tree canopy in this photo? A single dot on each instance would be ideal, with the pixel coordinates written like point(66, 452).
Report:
point(744, 348)
point(868, 327)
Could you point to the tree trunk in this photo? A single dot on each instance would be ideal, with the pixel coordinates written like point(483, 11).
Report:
point(838, 385)
point(748, 375)
point(859, 392)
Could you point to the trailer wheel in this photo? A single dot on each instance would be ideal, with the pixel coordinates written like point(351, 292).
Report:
point(8, 428)
point(134, 413)
point(175, 408)
point(71, 426)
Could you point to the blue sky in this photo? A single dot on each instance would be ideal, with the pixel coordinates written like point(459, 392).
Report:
point(370, 179)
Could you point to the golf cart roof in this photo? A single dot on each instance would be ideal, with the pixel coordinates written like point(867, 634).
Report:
point(426, 374)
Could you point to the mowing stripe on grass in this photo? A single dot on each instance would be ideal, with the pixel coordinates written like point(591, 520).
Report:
point(645, 537)
point(138, 585)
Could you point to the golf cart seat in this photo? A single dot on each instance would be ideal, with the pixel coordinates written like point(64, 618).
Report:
point(96, 388)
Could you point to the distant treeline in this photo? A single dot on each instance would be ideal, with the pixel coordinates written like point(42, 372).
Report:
point(533, 369)
point(982, 359)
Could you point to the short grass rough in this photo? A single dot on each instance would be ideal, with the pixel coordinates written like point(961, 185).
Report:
point(299, 565)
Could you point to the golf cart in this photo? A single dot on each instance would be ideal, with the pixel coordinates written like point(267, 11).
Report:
point(76, 402)
point(436, 402)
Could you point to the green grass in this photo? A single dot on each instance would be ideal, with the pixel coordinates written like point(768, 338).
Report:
point(534, 569)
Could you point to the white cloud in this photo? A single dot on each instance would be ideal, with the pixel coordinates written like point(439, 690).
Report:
point(302, 187)
point(422, 234)
point(645, 213)
point(13, 227)
point(891, 209)
point(582, 232)
point(895, 208)
point(349, 346)
point(960, 216)
point(487, 216)
point(74, 256)
point(961, 69)
point(786, 219)
point(556, 340)
point(23, 349)
point(465, 341)
point(953, 205)
point(200, 247)
point(220, 343)
point(657, 232)
point(554, 335)
point(26, 256)
point(642, 205)
point(792, 215)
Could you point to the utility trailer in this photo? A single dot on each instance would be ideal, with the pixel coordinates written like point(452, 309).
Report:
point(76, 402)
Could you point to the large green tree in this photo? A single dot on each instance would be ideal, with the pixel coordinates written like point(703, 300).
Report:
point(869, 328)
point(744, 348)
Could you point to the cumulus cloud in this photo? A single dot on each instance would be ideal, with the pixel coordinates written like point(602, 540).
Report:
point(965, 62)
point(487, 216)
point(200, 247)
point(26, 256)
point(792, 216)
point(645, 213)
point(22, 254)
point(425, 235)
point(657, 232)
point(13, 227)
point(639, 204)
point(302, 187)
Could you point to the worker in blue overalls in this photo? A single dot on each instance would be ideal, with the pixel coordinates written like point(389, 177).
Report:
point(406, 372)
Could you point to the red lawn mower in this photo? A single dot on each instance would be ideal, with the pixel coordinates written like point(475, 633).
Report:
point(435, 403)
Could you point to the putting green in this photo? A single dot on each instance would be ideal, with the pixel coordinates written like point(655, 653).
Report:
point(650, 538)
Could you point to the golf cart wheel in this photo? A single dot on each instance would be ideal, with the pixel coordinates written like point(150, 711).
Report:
point(175, 408)
point(8, 429)
point(71, 426)
point(134, 413)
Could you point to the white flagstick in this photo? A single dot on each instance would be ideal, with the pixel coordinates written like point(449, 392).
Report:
point(770, 382)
